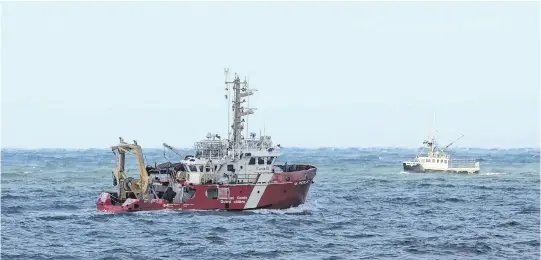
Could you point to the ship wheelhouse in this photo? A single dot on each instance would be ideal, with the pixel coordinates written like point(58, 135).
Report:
point(434, 162)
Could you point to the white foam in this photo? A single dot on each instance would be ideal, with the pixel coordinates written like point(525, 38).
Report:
point(492, 173)
point(306, 207)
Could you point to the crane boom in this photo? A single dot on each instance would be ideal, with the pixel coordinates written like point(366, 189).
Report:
point(452, 142)
point(172, 149)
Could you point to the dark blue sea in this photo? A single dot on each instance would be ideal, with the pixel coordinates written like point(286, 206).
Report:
point(361, 206)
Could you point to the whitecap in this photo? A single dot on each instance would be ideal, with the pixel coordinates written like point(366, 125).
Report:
point(308, 208)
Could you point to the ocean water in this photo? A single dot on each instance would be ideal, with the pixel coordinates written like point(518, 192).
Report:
point(361, 206)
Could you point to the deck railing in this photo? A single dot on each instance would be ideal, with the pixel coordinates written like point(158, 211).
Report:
point(211, 148)
point(462, 163)
point(263, 142)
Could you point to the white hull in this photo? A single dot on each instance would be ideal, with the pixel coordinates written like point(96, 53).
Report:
point(417, 167)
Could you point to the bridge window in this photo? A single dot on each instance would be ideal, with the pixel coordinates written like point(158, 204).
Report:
point(230, 168)
point(260, 160)
point(248, 154)
point(201, 168)
point(252, 161)
point(212, 193)
point(269, 160)
point(193, 168)
point(207, 169)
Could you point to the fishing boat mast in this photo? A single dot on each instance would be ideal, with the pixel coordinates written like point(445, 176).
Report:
point(432, 145)
point(430, 142)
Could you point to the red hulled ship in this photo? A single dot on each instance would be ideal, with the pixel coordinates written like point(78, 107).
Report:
point(234, 174)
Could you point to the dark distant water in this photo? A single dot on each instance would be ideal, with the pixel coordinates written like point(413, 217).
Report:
point(362, 206)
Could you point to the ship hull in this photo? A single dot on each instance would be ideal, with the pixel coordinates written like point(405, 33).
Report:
point(418, 168)
point(278, 194)
point(408, 167)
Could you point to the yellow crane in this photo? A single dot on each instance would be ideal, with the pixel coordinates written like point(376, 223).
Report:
point(139, 187)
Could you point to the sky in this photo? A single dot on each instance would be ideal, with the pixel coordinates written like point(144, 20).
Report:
point(328, 74)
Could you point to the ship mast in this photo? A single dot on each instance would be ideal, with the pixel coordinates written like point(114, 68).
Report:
point(240, 90)
point(227, 95)
point(431, 141)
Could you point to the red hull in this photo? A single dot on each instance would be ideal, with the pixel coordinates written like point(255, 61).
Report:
point(285, 190)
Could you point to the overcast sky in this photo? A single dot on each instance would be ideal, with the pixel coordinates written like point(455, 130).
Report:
point(349, 74)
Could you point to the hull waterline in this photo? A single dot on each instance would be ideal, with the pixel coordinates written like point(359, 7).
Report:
point(418, 168)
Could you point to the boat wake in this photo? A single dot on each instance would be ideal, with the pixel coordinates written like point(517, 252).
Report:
point(492, 173)
point(305, 209)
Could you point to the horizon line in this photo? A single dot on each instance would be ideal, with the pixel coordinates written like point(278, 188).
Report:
point(287, 147)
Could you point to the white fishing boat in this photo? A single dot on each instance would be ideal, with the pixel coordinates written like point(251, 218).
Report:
point(438, 160)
